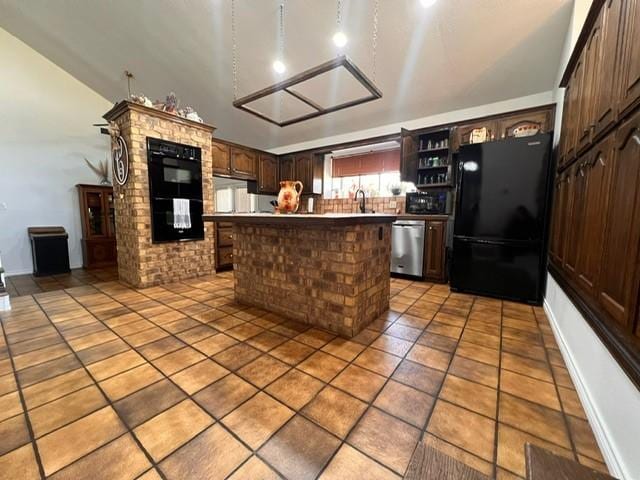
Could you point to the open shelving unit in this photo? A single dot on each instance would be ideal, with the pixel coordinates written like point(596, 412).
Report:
point(434, 166)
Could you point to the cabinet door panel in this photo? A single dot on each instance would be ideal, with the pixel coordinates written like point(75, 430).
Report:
point(221, 158)
point(576, 192)
point(435, 251)
point(623, 225)
point(607, 86)
point(408, 158)
point(304, 171)
point(631, 55)
point(243, 162)
point(566, 127)
point(574, 108)
point(557, 222)
point(510, 126)
point(287, 168)
point(268, 173)
point(466, 132)
point(596, 178)
point(590, 78)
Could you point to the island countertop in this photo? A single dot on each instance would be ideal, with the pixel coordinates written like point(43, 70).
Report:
point(303, 219)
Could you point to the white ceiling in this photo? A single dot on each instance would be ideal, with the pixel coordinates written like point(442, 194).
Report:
point(456, 54)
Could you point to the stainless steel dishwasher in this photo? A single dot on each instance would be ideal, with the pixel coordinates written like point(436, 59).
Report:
point(407, 247)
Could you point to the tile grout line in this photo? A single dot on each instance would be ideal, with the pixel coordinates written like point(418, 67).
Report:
point(557, 390)
point(266, 352)
point(24, 409)
point(496, 431)
point(109, 402)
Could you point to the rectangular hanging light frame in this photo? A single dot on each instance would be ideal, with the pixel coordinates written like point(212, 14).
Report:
point(285, 85)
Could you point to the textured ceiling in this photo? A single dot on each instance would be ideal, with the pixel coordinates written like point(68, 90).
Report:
point(456, 54)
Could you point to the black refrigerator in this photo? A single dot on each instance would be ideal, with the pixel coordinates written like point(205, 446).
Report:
point(501, 221)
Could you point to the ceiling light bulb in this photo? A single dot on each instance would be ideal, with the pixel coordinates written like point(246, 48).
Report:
point(340, 39)
point(279, 66)
point(427, 3)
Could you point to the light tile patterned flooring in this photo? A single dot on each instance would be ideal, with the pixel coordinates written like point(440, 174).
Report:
point(178, 381)
point(29, 284)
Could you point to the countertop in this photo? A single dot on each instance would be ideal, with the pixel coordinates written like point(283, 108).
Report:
point(411, 216)
point(304, 219)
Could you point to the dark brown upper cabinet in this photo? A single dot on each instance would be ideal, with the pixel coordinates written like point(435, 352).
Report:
point(566, 125)
point(630, 84)
point(304, 171)
point(287, 168)
point(575, 112)
point(511, 125)
point(606, 88)
point(244, 163)
point(408, 157)
point(268, 174)
point(487, 127)
point(619, 278)
point(221, 157)
point(586, 123)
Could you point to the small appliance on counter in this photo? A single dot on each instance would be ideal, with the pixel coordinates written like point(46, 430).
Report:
point(436, 202)
point(175, 191)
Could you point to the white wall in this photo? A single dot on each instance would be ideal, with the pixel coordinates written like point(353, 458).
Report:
point(45, 118)
point(611, 401)
point(544, 98)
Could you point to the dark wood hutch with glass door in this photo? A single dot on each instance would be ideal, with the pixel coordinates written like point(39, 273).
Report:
point(98, 225)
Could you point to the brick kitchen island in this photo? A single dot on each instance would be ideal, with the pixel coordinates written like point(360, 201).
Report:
point(330, 271)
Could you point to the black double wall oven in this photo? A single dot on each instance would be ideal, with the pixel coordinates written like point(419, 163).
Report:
point(175, 172)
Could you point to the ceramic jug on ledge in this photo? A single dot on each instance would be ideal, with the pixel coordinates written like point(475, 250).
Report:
point(289, 196)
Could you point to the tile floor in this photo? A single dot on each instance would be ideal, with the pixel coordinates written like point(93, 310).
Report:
point(178, 381)
point(28, 284)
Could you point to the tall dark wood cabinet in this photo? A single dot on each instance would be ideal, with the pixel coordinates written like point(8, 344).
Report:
point(98, 226)
point(594, 249)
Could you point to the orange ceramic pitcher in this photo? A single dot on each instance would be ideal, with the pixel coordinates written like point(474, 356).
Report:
point(289, 196)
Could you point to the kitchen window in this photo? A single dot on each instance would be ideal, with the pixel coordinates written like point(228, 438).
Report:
point(377, 173)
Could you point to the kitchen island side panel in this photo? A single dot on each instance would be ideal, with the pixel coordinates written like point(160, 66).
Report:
point(335, 278)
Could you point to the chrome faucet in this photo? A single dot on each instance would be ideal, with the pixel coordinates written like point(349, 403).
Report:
point(362, 202)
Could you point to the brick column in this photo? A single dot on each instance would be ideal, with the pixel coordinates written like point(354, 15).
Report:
point(141, 263)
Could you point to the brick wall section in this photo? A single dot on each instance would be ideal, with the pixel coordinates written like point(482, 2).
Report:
point(140, 262)
point(348, 205)
point(335, 278)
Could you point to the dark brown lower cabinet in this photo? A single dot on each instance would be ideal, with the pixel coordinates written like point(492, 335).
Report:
point(574, 211)
point(619, 277)
point(594, 175)
point(224, 245)
point(434, 258)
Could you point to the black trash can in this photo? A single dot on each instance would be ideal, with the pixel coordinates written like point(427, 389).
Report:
point(49, 250)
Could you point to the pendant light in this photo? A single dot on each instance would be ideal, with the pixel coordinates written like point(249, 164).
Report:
point(278, 65)
point(339, 38)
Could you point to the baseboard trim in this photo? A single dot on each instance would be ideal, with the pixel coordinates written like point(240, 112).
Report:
point(13, 273)
point(599, 430)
